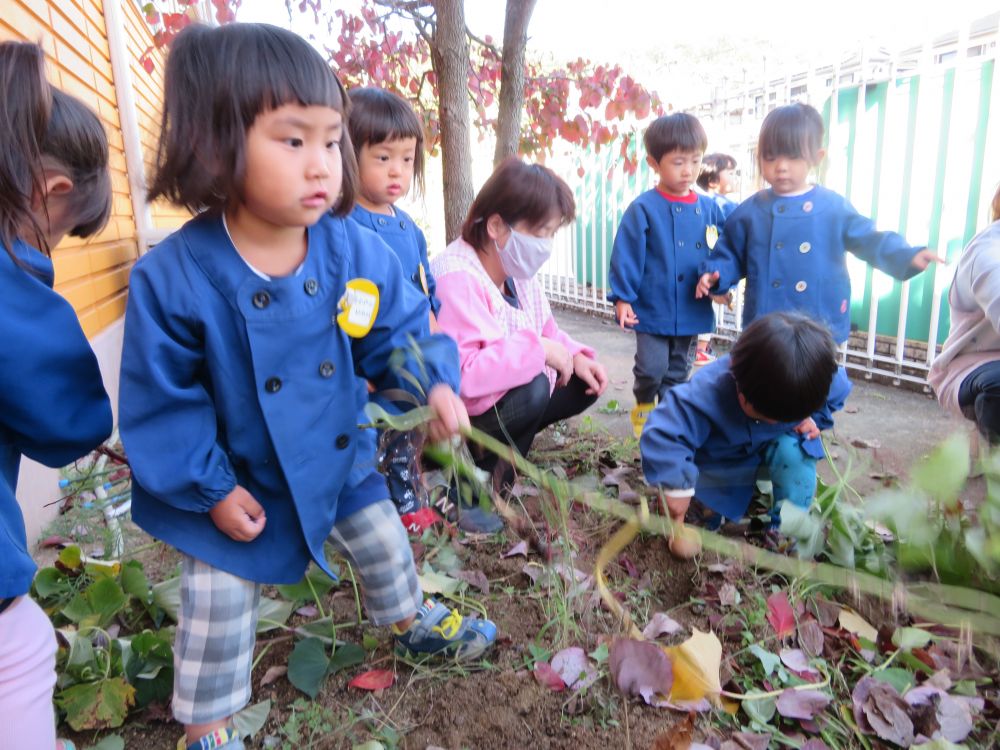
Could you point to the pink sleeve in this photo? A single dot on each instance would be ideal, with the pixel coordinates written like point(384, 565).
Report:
point(491, 362)
point(551, 330)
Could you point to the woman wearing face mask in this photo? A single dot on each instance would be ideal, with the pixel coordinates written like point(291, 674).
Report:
point(520, 373)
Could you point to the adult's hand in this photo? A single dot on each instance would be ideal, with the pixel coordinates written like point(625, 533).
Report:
point(558, 358)
point(591, 372)
point(239, 516)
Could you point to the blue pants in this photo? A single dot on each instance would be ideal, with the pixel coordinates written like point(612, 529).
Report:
point(792, 472)
point(979, 399)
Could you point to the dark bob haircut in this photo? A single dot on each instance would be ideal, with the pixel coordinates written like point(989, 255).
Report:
point(518, 192)
point(25, 107)
point(379, 116)
point(795, 131)
point(75, 142)
point(712, 166)
point(677, 132)
point(217, 81)
point(783, 364)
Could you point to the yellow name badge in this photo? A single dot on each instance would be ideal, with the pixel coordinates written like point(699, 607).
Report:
point(711, 236)
point(423, 280)
point(358, 308)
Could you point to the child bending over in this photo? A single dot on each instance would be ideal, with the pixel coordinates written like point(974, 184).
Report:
point(762, 405)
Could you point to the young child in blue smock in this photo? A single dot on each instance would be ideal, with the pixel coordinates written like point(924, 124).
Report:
point(664, 235)
point(763, 405)
point(54, 181)
point(249, 336)
point(718, 180)
point(389, 145)
point(790, 241)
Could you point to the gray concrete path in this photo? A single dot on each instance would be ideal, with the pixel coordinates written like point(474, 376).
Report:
point(883, 429)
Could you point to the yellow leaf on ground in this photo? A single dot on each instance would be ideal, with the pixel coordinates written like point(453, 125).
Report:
point(852, 622)
point(696, 665)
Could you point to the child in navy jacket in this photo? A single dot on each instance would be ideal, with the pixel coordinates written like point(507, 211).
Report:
point(790, 241)
point(389, 145)
point(665, 234)
point(762, 405)
point(54, 181)
point(249, 336)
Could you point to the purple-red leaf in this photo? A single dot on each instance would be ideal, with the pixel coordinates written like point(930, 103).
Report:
point(811, 637)
point(640, 668)
point(575, 669)
point(547, 677)
point(521, 548)
point(801, 704)
point(796, 660)
point(780, 615)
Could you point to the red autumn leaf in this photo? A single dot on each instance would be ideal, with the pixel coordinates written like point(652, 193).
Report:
point(375, 679)
point(548, 677)
point(780, 615)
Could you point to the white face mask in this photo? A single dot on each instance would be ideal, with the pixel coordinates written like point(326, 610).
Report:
point(523, 254)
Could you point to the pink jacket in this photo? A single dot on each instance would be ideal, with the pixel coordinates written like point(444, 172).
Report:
point(974, 338)
point(499, 346)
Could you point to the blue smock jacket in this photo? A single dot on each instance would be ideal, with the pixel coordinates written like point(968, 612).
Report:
point(792, 252)
point(699, 436)
point(408, 242)
point(229, 378)
point(655, 259)
point(53, 407)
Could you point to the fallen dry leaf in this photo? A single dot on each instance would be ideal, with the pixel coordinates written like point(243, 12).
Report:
point(660, 624)
point(521, 548)
point(801, 704)
point(273, 673)
point(575, 669)
point(811, 637)
point(780, 615)
point(852, 622)
point(375, 679)
point(696, 664)
point(640, 668)
point(547, 677)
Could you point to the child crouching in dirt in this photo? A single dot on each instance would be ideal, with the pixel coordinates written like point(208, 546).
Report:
point(762, 406)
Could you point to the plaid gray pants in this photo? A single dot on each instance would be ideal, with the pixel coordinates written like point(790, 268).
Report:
point(213, 648)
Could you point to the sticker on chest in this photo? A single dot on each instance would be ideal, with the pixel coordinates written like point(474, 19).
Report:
point(711, 236)
point(358, 308)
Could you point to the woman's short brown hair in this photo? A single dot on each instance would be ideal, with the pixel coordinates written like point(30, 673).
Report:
point(217, 81)
point(518, 192)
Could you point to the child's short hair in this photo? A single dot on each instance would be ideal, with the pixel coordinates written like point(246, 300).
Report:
point(378, 116)
point(677, 132)
point(783, 364)
point(217, 81)
point(712, 166)
point(75, 141)
point(518, 192)
point(794, 130)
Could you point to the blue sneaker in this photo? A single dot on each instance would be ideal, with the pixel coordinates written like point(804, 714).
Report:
point(441, 631)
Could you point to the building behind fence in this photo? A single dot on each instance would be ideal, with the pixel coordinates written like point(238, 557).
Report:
point(913, 142)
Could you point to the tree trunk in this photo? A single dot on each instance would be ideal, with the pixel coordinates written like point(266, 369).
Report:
point(512, 68)
point(450, 60)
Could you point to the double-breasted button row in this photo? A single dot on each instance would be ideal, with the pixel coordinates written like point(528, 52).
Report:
point(382, 221)
point(326, 370)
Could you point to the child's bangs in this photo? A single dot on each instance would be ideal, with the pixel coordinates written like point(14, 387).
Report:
point(281, 68)
point(794, 131)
